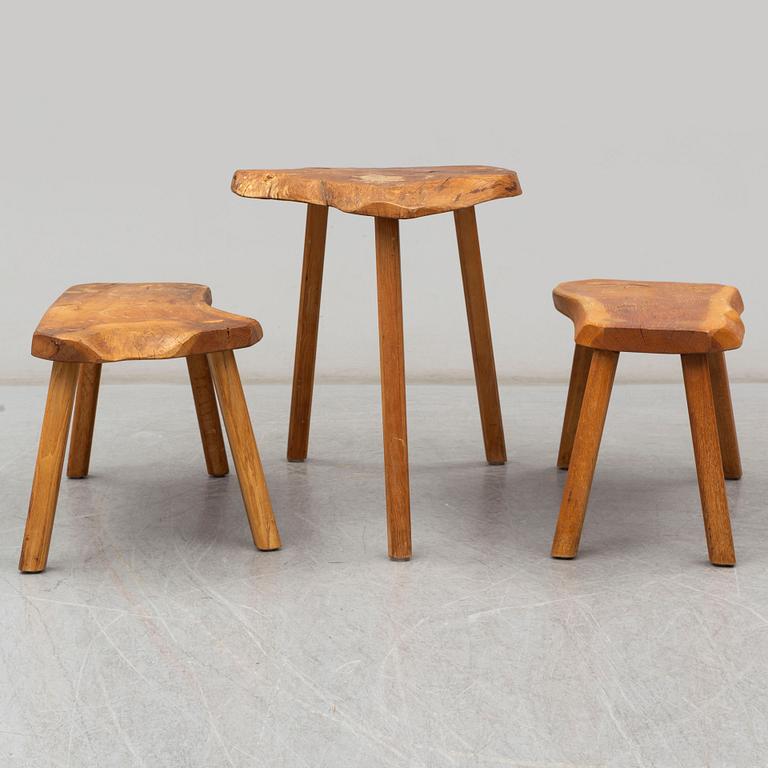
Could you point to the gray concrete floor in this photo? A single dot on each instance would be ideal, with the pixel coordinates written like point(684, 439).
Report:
point(160, 637)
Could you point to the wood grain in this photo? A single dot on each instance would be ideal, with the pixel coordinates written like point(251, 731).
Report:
point(107, 322)
point(242, 443)
point(398, 193)
point(50, 460)
point(84, 420)
point(709, 463)
point(306, 332)
point(726, 424)
point(393, 407)
point(582, 357)
point(480, 335)
point(679, 318)
point(207, 411)
point(584, 457)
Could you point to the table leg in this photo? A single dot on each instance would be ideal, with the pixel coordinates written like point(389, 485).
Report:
point(306, 332)
point(393, 388)
point(480, 335)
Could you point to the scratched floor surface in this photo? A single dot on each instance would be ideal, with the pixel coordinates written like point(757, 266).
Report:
point(159, 637)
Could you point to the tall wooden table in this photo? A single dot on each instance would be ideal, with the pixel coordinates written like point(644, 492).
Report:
point(389, 194)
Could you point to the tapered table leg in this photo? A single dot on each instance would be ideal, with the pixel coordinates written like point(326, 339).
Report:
point(480, 335)
point(306, 332)
point(393, 388)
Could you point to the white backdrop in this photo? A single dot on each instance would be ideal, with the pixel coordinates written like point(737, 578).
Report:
point(639, 132)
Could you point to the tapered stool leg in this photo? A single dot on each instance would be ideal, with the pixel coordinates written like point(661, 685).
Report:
point(726, 425)
point(83, 420)
point(393, 388)
point(709, 463)
point(582, 357)
point(50, 460)
point(207, 415)
point(306, 332)
point(480, 335)
point(253, 485)
point(586, 445)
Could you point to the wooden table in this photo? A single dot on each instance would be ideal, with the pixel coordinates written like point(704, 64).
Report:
point(389, 194)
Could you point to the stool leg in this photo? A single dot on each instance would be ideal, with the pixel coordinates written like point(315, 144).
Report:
point(207, 415)
point(393, 388)
point(480, 335)
point(584, 458)
point(83, 420)
point(582, 357)
point(50, 460)
point(306, 332)
point(253, 485)
point(726, 425)
point(709, 463)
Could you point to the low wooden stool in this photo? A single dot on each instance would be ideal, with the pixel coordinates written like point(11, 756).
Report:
point(696, 321)
point(389, 194)
point(106, 322)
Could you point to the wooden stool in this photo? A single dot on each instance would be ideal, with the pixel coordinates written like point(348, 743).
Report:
point(106, 322)
point(696, 321)
point(389, 194)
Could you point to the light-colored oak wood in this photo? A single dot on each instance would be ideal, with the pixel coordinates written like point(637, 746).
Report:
point(391, 349)
point(582, 357)
point(50, 460)
point(709, 462)
point(480, 335)
point(306, 332)
point(107, 322)
point(207, 415)
point(242, 443)
point(84, 420)
point(389, 194)
point(584, 456)
point(679, 318)
point(398, 193)
point(726, 424)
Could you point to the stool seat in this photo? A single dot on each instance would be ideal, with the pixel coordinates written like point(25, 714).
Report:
point(394, 193)
point(674, 318)
point(108, 322)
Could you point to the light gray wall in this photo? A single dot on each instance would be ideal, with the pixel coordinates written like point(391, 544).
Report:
point(639, 131)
